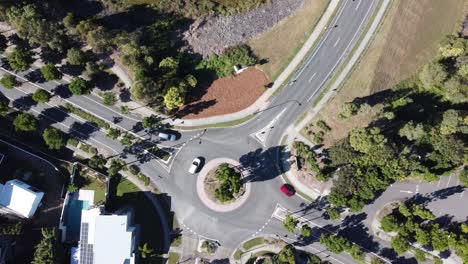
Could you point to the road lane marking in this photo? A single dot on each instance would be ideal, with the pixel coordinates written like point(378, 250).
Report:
point(402, 191)
point(357, 7)
point(343, 54)
point(312, 77)
point(337, 41)
point(262, 135)
point(438, 183)
point(448, 182)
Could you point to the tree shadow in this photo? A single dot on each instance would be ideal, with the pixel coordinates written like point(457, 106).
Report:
point(105, 81)
point(353, 229)
point(24, 103)
point(195, 108)
point(14, 39)
point(73, 70)
point(125, 95)
point(259, 165)
point(441, 194)
point(50, 56)
point(53, 115)
point(83, 131)
point(35, 76)
point(62, 91)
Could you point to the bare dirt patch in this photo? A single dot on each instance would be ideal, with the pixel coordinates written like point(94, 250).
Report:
point(280, 44)
point(214, 34)
point(403, 43)
point(227, 95)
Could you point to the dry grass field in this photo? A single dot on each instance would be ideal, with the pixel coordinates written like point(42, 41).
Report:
point(408, 38)
point(280, 44)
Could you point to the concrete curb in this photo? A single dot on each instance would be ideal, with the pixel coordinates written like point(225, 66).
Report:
point(202, 195)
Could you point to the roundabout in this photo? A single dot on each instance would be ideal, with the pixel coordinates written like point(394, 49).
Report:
point(207, 198)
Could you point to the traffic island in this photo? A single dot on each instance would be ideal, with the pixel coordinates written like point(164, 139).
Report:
point(221, 186)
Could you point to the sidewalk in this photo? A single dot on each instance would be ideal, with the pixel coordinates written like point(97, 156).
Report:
point(292, 132)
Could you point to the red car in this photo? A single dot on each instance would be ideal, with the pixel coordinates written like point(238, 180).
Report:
point(288, 190)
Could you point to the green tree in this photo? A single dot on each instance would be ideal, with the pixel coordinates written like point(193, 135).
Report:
point(108, 98)
point(25, 122)
point(399, 244)
point(124, 109)
point(49, 249)
point(287, 255)
point(41, 96)
point(376, 260)
point(151, 122)
point(412, 131)
point(54, 138)
point(452, 46)
point(422, 236)
point(71, 188)
point(76, 57)
point(69, 20)
point(333, 213)
point(389, 223)
point(356, 252)
point(115, 166)
point(4, 108)
point(306, 231)
point(335, 244)
point(174, 98)
point(449, 124)
point(290, 223)
point(113, 133)
point(8, 81)
point(439, 238)
point(348, 110)
point(404, 210)
point(127, 139)
point(366, 140)
point(437, 260)
point(92, 69)
point(20, 59)
point(423, 213)
point(78, 86)
point(99, 39)
point(97, 162)
point(432, 74)
point(419, 255)
point(145, 251)
point(50, 72)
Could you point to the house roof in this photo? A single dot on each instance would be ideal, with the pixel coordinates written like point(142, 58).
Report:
point(105, 239)
point(113, 240)
point(20, 197)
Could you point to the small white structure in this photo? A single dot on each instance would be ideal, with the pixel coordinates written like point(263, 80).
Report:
point(105, 238)
point(20, 197)
point(238, 69)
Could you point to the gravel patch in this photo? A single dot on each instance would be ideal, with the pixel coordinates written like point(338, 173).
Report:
point(214, 34)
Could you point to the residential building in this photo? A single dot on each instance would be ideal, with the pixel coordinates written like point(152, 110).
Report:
point(21, 198)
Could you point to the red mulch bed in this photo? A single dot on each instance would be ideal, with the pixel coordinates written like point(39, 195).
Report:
point(228, 95)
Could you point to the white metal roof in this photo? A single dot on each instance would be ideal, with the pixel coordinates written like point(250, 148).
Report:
point(20, 197)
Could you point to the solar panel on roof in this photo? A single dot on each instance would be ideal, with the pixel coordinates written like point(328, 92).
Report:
point(86, 250)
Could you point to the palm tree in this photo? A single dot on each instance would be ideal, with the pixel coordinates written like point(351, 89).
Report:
point(146, 251)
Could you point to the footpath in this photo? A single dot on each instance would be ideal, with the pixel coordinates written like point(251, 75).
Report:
point(293, 132)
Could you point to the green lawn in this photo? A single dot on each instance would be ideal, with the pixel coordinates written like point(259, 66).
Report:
point(253, 242)
point(99, 188)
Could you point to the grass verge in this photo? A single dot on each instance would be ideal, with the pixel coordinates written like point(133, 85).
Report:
point(87, 116)
point(173, 258)
point(219, 125)
point(253, 243)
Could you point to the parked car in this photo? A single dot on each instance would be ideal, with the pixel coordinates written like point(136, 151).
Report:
point(288, 190)
point(195, 165)
point(167, 136)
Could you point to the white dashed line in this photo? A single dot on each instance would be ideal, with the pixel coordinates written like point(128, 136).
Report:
point(337, 41)
point(312, 77)
point(448, 182)
point(357, 7)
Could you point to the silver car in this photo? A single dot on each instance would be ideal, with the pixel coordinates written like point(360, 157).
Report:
point(167, 136)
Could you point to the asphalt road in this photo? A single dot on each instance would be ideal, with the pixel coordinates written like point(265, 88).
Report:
point(259, 156)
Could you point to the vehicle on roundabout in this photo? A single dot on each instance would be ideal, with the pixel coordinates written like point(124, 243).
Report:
point(195, 166)
point(288, 190)
point(167, 136)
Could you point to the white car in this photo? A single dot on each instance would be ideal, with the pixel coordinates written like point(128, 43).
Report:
point(195, 164)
